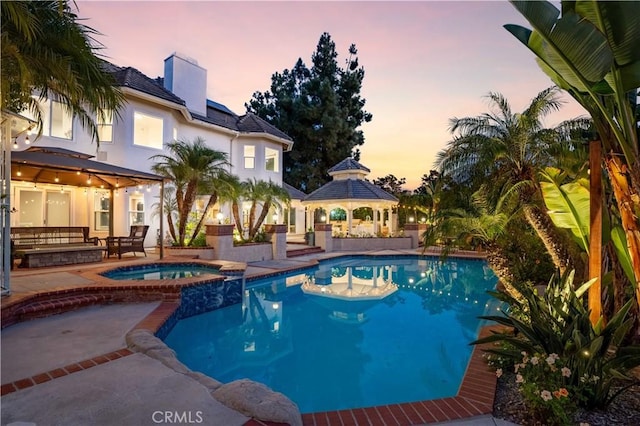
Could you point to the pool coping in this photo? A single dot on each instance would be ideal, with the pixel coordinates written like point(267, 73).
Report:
point(475, 396)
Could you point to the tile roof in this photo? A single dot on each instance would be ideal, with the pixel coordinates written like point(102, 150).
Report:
point(348, 164)
point(217, 113)
point(252, 123)
point(294, 193)
point(345, 189)
point(131, 77)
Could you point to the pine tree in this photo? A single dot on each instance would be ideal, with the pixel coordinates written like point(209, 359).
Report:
point(321, 109)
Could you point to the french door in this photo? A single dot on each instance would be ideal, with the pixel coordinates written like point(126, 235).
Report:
point(44, 208)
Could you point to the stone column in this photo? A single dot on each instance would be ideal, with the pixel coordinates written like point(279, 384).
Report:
point(412, 230)
point(220, 237)
point(324, 239)
point(277, 234)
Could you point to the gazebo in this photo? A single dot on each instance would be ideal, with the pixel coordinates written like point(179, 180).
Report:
point(348, 191)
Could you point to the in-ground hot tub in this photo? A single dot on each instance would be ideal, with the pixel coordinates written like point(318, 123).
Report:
point(161, 271)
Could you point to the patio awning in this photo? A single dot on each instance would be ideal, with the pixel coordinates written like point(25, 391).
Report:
point(61, 166)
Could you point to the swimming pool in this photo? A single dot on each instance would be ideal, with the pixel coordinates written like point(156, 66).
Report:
point(352, 332)
point(160, 271)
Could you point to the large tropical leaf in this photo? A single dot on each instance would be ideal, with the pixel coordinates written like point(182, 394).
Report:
point(619, 21)
point(620, 245)
point(573, 47)
point(568, 204)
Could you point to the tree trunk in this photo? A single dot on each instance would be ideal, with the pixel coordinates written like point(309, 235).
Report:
point(235, 210)
point(547, 232)
point(213, 199)
point(263, 214)
point(172, 228)
point(501, 267)
point(625, 199)
point(187, 204)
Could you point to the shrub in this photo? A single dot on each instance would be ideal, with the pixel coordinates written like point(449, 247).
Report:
point(527, 256)
point(556, 327)
point(199, 241)
point(260, 237)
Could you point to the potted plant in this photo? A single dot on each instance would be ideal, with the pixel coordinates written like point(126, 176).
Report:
point(310, 237)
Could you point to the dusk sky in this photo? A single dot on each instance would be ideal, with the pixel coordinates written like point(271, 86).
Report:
point(425, 61)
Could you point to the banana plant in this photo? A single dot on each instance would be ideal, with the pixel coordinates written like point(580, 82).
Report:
point(591, 51)
point(568, 206)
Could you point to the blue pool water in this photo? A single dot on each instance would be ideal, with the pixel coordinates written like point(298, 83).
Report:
point(160, 271)
point(352, 332)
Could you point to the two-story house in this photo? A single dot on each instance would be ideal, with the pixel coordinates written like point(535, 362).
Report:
point(158, 110)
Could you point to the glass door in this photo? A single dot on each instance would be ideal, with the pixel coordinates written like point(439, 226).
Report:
point(44, 208)
point(58, 212)
point(31, 211)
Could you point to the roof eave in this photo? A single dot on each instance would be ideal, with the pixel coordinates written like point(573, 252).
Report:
point(158, 100)
point(286, 143)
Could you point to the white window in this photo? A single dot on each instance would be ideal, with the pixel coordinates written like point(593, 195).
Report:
point(271, 160)
point(57, 121)
point(61, 121)
point(147, 130)
point(249, 156)
point(105, 126)
point(101, 211)
point(136, 210)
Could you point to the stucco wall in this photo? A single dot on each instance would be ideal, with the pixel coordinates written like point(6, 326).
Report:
point(247, 253)
point(360, 244)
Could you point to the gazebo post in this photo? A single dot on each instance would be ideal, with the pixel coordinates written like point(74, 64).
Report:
point(375, 221)
point(349, 220)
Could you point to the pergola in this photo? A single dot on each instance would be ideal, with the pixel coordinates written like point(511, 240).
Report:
point(348, 191)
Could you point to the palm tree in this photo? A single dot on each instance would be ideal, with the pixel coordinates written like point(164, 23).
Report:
point(265, 194)
point(591, 51)
point(234, 194)
point(483, 226)
point(170, 207)
point(195, 170)
point(509, 149)
point(47, 51)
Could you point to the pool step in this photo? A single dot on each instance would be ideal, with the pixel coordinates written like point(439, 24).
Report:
point(65, 300)
point(57, 305)
point(303, 251)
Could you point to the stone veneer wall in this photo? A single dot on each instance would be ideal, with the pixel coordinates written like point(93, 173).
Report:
point(64, 256)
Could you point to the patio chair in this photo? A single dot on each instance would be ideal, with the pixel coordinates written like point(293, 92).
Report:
point(133, 243)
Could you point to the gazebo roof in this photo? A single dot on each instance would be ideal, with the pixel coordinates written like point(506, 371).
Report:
point(347, 164)
point(350, 189)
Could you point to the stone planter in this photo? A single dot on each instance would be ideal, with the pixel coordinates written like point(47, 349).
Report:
point(205, 253)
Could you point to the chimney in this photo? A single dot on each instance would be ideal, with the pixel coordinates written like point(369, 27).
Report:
point(187, 80)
